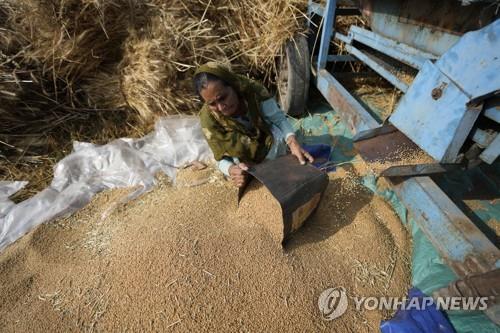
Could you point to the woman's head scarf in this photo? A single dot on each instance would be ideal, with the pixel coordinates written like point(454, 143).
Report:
point(225, 135)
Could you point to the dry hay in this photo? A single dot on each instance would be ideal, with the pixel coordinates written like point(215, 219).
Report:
point(71, 39)
point(96, 70)
point(344, 23)
point(103, 90)
point(367, 86)
point(75, 50)
point(181, 259)
point(262, 27)
point(51, 51)
point(375, 93)
point(58, 46)
point(160, 59)
point(36, 167)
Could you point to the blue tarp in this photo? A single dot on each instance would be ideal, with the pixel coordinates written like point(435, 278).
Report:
point(415, 320)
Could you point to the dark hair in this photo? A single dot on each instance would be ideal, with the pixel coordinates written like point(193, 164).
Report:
point(202, 79)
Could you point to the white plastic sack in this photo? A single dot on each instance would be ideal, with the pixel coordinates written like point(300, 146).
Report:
point(8, 188)
point(176, 141)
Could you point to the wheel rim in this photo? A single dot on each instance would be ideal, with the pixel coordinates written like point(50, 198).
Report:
point(283, 81)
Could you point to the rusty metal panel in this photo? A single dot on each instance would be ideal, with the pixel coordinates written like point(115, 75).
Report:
point(461, 244)
point(432, 26)
point(436, 15)
point(385, 147)
point(395, 49)
point(383, 17)
point(353, 113)
point(379, 66)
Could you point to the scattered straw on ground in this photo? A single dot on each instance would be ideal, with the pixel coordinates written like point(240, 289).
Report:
point(180, 258)
point(375, 93)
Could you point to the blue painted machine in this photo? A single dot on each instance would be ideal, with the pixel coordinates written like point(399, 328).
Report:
point(449, 111)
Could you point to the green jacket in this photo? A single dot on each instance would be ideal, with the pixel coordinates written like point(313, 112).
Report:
point(225, 135)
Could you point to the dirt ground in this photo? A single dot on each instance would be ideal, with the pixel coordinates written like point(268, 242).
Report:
point(182, 258)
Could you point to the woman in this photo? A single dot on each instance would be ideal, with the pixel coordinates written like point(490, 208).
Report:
point(242, 122)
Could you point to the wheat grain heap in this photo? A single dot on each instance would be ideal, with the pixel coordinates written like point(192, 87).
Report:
point(185, 258)
point(93, 70)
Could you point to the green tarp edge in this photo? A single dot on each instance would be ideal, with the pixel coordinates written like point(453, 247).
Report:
point(429, 272)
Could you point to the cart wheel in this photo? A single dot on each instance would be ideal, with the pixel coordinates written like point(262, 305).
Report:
point(293, 77)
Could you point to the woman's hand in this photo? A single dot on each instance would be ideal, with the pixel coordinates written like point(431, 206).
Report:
point(297, 150)
point(238, 174)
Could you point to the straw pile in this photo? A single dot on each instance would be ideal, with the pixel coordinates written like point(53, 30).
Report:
point(94, 70)
point(375, 93)
point(160, 59)
point(50, 52)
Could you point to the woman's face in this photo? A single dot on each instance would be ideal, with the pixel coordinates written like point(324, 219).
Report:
point(220, 98)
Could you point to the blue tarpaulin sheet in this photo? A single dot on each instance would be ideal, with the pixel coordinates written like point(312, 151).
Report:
point(415, 320)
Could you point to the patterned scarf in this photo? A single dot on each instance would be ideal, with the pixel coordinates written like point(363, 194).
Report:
point(225, 135)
